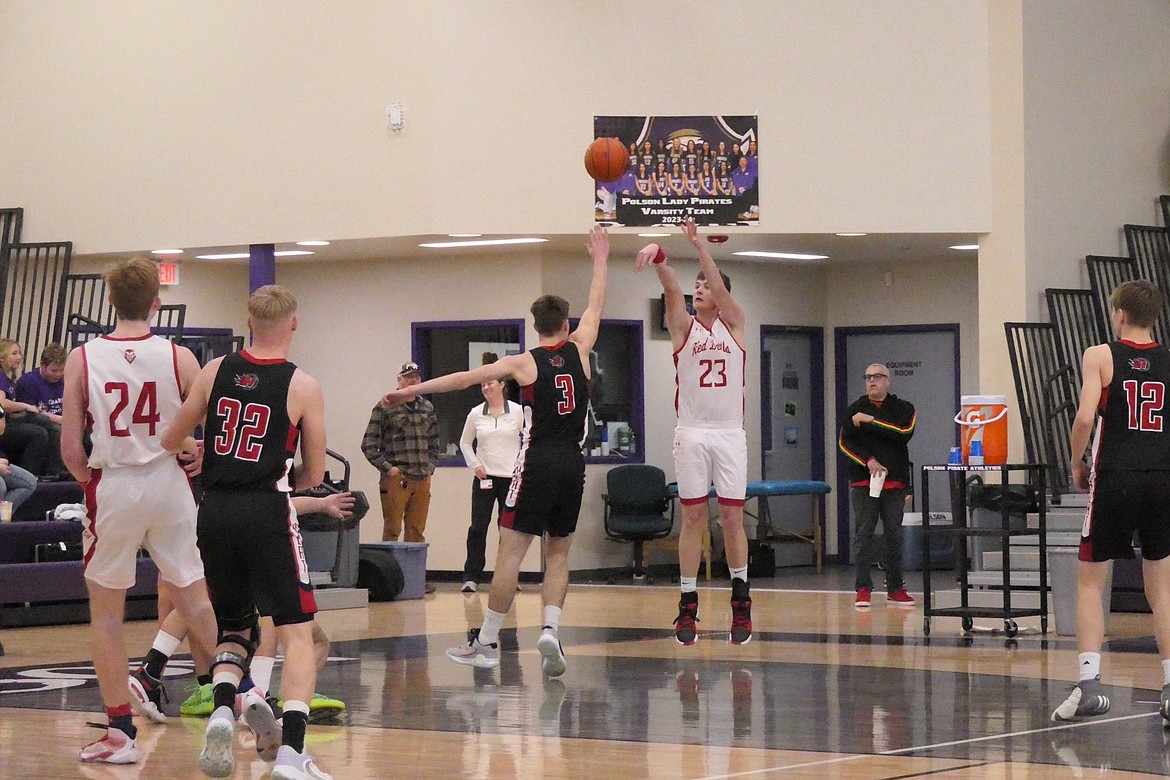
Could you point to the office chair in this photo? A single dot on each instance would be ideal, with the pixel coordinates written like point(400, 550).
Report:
point(635, 509)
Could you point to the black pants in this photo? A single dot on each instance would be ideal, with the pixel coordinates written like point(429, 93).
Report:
point(867, 511)
point(482, 500)
point(33, 442)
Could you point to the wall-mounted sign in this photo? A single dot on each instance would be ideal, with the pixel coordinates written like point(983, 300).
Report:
point(704, 167)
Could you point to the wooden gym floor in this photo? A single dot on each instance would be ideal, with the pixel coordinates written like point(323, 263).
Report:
point(823, 691)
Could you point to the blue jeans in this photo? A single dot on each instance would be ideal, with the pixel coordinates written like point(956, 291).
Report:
point(17, 485)
point(866, 511)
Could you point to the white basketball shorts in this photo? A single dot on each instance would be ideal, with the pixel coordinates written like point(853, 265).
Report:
point(147, 506)
point(706, 456)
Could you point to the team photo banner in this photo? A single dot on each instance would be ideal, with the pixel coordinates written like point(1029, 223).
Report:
point(704, 167)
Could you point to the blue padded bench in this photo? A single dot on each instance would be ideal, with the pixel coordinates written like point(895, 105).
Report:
point(761, 490)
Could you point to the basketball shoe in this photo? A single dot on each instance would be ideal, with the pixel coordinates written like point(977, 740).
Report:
point(688, 615)
point(552, 655)
point(321, 707)
point(1085, 701)
point(291, 765)
point(217, 759)
point(116, 747)
point(199, 704)
point(475, 653)
point(258, 716)
point(741, 613)
point(147, 695)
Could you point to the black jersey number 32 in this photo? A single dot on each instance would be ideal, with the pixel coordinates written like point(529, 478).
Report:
point(243, 429)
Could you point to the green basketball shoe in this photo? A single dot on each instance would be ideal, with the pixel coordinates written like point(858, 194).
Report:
point(200, 704)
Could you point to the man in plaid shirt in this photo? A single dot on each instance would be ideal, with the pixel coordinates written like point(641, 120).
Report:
point(403, 444)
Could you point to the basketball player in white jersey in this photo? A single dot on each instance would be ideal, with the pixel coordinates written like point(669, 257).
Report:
point(709, 441)
point(127, 387)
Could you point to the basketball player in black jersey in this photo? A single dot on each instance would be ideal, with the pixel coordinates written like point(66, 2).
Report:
point(549, 477)
point(258, 406)
point(1125, 384)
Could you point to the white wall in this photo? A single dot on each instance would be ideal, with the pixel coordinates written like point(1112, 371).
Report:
point(132, 124)
point(1096, 129)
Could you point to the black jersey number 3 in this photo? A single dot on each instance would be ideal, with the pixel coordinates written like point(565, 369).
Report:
point(1145, 405)
point(243, 427)
point(568, 402)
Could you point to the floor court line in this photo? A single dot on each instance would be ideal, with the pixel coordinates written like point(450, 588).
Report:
point(924, 748)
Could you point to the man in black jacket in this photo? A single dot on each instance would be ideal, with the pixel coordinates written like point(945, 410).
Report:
point(874, 437)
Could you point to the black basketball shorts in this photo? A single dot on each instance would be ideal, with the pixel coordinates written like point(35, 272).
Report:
point(253, 556)
point(1121, 502)
point(546, 491)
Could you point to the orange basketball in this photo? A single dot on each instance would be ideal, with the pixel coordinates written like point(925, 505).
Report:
point(607, 159)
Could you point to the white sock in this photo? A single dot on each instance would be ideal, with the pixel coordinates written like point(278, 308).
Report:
point(1166, 671)
point(166, 644)
point(552, 617)
point(261, 673)
point(295, 706)
point(1090, 665)
point(489, 633)
point(739, 574)
point(689, 584)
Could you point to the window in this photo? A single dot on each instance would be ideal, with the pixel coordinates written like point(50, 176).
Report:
point(446, 347)
point(617, 429)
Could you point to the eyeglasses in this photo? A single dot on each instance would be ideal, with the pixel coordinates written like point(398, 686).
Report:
point(876, 377)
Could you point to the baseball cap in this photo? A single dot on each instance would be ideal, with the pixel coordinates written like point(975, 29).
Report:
point(409, 368)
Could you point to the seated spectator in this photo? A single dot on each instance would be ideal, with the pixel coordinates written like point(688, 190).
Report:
point(16, 484)
point(30, 439)
point(43, 386)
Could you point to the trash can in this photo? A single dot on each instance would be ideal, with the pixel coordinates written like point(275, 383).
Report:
point(1062, 574)
point(986, 503)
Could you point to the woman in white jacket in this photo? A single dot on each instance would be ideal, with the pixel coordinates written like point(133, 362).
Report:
point(494, 426)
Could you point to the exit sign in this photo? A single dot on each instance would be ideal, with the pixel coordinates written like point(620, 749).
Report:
point(168, 273)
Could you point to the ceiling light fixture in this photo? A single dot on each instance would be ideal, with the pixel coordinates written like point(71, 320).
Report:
point(465, 235)
point(245, 255)
point(846, 235)
point(782, 255)
point(312, 243)
point(166, 251)
point(654, 235)
point(488, 242)
point(965, 246)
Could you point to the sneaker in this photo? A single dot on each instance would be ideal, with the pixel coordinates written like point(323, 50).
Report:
point(553, 656)
point(864, 596)
point(901, 598)
point(429, 587)
point(216, 759)
point(322, 707)
point(468, 587)
point(114, 748)
point(147, 695)
point(1164, 706)
point(475, 653)
point(199, 704)
point(1085, 701)
point(688, 615)
point(258, 716)
point(741, 614)
point(291, 765)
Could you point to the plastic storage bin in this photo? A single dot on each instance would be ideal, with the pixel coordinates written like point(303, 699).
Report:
point(412, 558)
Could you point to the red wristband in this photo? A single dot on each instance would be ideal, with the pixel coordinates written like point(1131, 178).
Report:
point(660, 257)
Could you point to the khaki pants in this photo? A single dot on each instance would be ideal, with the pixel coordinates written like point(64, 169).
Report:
point(404, 499)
